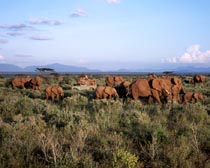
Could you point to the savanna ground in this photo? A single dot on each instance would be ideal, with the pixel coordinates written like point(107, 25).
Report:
point(81, 132)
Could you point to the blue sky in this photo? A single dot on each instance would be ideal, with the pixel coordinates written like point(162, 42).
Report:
point(105, 34)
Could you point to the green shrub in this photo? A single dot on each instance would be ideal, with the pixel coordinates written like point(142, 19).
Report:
point(123, 158)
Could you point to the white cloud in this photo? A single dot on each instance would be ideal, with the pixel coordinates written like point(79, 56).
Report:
point(113, 1)
point(15, 27)
point(192, 55)
point(44, 21)
point(1, 58)
point(79, 13)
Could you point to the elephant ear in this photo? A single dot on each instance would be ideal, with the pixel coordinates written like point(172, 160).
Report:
point(156, 84)
point(33, 81)
point(108, 90)
point(60, 90)
point(176, 81)
point(175, 89)
point(54, 89)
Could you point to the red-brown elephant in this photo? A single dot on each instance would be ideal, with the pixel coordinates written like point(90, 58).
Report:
point(36, 83)
point(192, 97)
point(161, 87)
point(152, 76)
point(20, 82)
point(113, 80)
point(177, 89)
point(106, 92)
point(123, 89)
point(198, 79)
point(141, 89)
point(86, 81)
point(54, 92)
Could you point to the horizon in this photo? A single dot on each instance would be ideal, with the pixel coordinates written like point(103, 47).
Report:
point(105, 34)
point(63, 68)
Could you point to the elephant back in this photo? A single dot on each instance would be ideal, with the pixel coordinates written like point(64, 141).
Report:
point(141, 88)
point(36, 80)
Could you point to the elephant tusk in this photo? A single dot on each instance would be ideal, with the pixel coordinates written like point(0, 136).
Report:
point(167, 91)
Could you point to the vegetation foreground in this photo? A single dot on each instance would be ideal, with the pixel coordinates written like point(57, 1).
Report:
point(80, 131)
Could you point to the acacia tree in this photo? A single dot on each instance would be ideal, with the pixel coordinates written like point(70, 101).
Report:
point(45, 70)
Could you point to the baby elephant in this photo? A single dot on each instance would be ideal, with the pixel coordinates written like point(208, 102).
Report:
point(54, 92)
point(106, 92)
point(192, 97)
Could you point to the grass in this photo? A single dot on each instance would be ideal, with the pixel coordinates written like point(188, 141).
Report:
point(82, 132)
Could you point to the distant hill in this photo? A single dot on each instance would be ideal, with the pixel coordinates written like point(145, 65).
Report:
point(10, 68)
point(74, 69)
point(56, 67)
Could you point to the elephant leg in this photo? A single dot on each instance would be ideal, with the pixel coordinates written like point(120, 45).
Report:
point(187, 99)
point(135, 96)
point(47, 97)
point(193, 100)
point(97, 95)
point(58, 97)
point(150, 99)
point(177, 98)
point(22, 86)
point(156, 96)
point(168, 98)
point(53, 97)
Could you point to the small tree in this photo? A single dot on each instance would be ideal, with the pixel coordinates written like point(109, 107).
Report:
point(45, 70)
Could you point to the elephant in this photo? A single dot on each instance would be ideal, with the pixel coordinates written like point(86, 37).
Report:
point(141, 89)
point(20, 82)
point(54, 92)
point(123, 89)
point(36, 83)
point(86, 81)
point(192, 97)
point(198, 79)
point(152, 76)
point(161, 87)
point(91, 82)
point(113, 80)
point(103, 92)
point(176, 89)
point(176, 81)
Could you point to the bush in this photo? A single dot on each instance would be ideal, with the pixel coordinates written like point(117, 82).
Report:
point(123, 158)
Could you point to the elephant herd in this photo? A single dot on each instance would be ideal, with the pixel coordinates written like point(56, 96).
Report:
point(153, 89)
point(156, 89)
point(35, 84)
point(27, 82)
